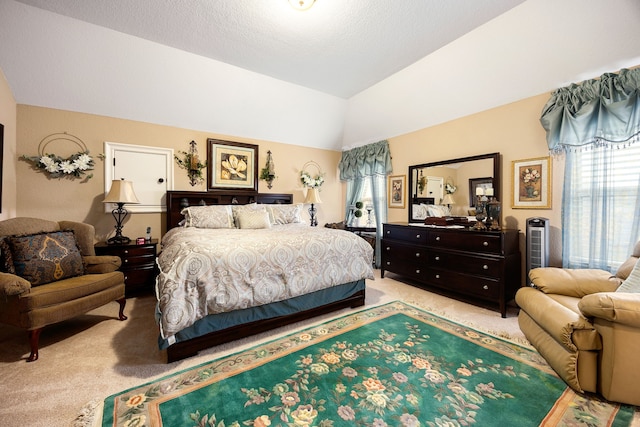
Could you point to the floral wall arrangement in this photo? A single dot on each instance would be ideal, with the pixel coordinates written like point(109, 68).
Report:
point(75, 166)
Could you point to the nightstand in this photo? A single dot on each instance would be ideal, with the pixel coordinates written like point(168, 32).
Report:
point(138, 264)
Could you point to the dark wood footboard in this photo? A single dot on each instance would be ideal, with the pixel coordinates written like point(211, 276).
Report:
point(191, 347)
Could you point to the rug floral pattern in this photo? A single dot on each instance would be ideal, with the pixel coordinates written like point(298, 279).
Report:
point(393, 365)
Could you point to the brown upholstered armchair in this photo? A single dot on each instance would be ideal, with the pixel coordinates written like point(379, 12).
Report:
point(50, 273)
point(587, 332)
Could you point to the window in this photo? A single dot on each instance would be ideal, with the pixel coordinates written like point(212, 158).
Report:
point(600, 207)
point(368, 218)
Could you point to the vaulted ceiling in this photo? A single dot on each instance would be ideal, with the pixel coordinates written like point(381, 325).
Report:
point(343, 72)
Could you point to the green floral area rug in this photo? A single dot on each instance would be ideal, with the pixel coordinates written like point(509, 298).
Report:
point(392, 365)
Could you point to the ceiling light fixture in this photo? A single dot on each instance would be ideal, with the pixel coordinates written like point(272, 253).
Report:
point(301, 4)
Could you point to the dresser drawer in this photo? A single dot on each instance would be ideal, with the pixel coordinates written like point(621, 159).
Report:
point(140, 277)
point(402, 266)
point(471, 242)
point(463, 283)
point(414, 235)
point(397, 250)
point(133, 252)
point(477, 265)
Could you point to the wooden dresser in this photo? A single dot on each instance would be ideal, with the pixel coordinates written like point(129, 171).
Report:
point(478, 266)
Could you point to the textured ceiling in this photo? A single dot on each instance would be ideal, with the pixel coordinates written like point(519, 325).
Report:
point(339, 47)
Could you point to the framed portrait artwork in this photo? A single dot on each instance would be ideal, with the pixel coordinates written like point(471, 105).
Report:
point(397, 191)
point(531, 183)
point(232, 165)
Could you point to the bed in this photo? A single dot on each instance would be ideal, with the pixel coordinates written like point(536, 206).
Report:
point(236, 264)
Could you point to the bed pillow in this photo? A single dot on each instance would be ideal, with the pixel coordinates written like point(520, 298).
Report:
point(249, 207)
point(419, 211)
point(438, 210)
point(286, 214)
point(46, 257)
point(632, 283)
point(219, 216)
point(253, 219)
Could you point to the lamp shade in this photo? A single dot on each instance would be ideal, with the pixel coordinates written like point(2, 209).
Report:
point(121, 192)
point(312, 196)
point(448, 200)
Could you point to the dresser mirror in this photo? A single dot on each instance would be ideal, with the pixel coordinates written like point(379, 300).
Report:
point(432, 184)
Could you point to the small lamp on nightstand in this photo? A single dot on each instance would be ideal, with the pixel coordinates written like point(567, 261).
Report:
point(313, 198)
point(121, 192)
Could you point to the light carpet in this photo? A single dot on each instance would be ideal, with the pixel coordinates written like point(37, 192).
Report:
point(93, 356)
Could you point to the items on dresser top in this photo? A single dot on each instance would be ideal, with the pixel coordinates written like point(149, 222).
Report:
point(483, 267)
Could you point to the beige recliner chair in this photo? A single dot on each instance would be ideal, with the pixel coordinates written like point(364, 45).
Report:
point(588, 333)
point(79, 282)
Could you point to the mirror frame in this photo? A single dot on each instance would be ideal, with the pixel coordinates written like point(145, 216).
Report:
point(497, 180)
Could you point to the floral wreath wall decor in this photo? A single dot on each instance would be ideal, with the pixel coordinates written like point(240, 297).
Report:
point(75, 166)
point(309, 179)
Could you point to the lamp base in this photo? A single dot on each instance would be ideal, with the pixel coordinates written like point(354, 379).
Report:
point(118, 240)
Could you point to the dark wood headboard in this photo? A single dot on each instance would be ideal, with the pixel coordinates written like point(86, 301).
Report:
point(178, 200)
point(423, 200)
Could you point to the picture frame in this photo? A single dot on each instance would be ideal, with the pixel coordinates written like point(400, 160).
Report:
point(231, 165)
point(397, 187)
point(474, 183)
point(531, 183)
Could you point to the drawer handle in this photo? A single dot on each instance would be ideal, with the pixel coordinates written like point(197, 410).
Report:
point(388, 231)
point(126, 260)
point(485, 267)
point(388, 262)
point(438, 238)
point(485, 243)
point(126, 251)
point(417, 271)
point(437, 258)
point(417, 236)
point(485, 287)
point(417, 254)
point(388, 248)
point(437, 276)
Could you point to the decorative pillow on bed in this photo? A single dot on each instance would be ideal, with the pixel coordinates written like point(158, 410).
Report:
point(250, 207)
point(438, 210)
point(285, 214)
point(46, 257)
point(253, 219)
point(219, 216)
point(419, 211)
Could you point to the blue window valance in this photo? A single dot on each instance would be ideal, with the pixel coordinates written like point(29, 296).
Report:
point(604, 111)
point(368, 160)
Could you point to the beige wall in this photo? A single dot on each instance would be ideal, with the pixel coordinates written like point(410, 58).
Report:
point(81, 200)
point(8, 119)
point(513, 130)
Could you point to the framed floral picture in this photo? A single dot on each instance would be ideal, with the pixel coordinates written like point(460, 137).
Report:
point(531, 183)
point(397, 189)
point(232, 165)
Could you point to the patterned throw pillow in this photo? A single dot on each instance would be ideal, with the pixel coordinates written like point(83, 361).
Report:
point(286, 214)
point(250, 207)
point(253, 219)
point(6, 260)
point(46, 257)
point(632, 283)
point(217, 216)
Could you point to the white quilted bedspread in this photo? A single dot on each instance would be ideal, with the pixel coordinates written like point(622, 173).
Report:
point(205, 271)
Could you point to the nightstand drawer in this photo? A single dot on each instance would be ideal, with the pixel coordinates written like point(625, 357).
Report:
point(138, 264)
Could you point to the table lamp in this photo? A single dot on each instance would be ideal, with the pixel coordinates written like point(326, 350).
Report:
point(314, 198)
point(121, 192)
